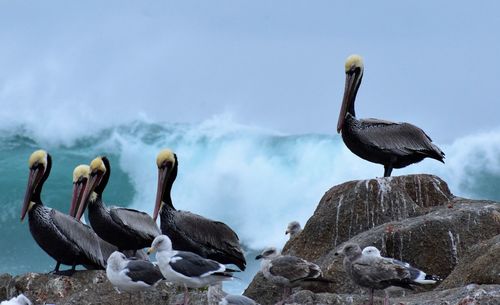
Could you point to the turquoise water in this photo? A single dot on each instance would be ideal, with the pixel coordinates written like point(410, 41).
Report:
point(254, 180)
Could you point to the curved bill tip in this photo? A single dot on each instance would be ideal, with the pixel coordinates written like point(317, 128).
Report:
point(150, 250)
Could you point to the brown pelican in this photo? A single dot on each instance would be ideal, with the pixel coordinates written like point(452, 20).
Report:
point(394, 145)
point(61, 236)
point(188, 231)
point(125, 228)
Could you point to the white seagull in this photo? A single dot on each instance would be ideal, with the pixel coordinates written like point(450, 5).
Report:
point(131, 275)
point(19, 300)
point(186, 268)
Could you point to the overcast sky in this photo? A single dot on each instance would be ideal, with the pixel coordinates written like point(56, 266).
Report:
point(274, 64)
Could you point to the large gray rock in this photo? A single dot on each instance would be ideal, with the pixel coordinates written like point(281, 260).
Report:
point(88, 287)
point(412, 218)
point(480, 265)
point(356, 206)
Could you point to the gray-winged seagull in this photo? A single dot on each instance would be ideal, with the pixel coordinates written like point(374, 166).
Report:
point(293, 229)
point(288, 271)
point(131, 275)
point(186, 268)
point(376, 272)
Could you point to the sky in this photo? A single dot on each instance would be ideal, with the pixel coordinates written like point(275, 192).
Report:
point(73, 65)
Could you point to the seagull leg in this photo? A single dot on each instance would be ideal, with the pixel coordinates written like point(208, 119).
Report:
point(386, 298)
point(186, 295)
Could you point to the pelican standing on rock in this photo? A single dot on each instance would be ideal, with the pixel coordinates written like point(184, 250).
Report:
point(125, 228)
point(61, 236)
point(394, 145)
point(188, 231)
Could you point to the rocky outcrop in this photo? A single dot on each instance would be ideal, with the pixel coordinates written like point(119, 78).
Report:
point(356, 206)
point(86, 288)
point(468, 295)
point(480, 265)
point(412, 218)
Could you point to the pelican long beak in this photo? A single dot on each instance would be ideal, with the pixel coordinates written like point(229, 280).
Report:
point(78, 189)
point(34, 178)
point(352, 82)
point(151, 250)
point(162, 176)
point(93, 181)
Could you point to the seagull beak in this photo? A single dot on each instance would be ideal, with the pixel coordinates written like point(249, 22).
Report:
point(34, 178)
point(162, 176)
point(151, 250)
point(258, 257)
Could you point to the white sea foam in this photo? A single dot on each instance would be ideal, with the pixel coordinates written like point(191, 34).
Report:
point(258, 180)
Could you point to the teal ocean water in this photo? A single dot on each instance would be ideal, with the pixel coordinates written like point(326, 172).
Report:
point(254, 180)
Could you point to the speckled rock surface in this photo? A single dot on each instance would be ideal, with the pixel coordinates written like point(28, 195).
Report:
point(480, 265)
point(89, 287)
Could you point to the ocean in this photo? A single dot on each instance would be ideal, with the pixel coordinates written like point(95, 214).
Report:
point(253, 179)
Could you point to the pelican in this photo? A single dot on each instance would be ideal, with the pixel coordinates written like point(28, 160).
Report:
point(188, 231)
point(61, 236)
point(394, 145)
point(125, 228)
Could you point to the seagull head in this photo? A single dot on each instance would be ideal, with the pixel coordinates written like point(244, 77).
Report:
point(293, 228)
point(116, 261)
point(268, 253)
point(160, 243)
point(350, 251)
point(371, 251)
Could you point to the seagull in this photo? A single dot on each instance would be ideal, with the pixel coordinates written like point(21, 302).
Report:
point(373, 271)
point(131, 274)
point(217, 296)
point(19, 300)
point(288, 271)
point(186, 268)
point(293, 229)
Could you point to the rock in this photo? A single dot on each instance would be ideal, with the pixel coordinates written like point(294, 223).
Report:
point(5, 280)
point(412, 218)
point(356, 206)
point(480, 265)
point(89, 287)
point(468, 295)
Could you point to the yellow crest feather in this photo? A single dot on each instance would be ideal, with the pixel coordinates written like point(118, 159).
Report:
point(165, 155)
point(97, 164)
point(39, 156)
point(353, 61)
point(82, 170)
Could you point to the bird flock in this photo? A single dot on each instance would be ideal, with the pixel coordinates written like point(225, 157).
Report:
point(193, 251)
